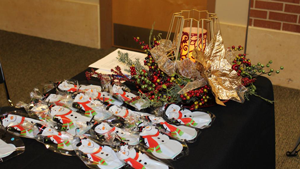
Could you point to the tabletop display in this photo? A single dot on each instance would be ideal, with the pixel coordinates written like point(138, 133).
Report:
point(148, 117)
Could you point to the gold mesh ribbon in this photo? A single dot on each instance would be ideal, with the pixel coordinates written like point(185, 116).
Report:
point(217, 70)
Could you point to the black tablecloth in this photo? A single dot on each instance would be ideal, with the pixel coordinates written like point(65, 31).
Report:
point(242, 136)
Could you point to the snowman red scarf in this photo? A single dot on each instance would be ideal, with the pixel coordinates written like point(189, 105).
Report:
point(66, 120)
point(134, 163)
point(108, 133)
point(123, 96)
point(153, 145)
point(173, 129)
point(88, 110)
point(74, 89)
point(60, 142)
point(186, 121)
point(21, 128)
point(98, 159)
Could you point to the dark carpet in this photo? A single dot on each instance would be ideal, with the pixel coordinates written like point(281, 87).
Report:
point(30, 62)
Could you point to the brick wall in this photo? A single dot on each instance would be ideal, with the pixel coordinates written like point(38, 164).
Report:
point(276, 14)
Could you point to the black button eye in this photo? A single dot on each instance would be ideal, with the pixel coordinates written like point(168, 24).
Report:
point(75, 117)
point(184, 115)
point(102, 152)
point(71, 114)
point(106, 154)
point(162, 140)
point(190, 116)
point(117, 131)
point(145, 163)
point(158, 137)
point(140, 160)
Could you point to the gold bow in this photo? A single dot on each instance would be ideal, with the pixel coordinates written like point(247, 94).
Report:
point(217, 70)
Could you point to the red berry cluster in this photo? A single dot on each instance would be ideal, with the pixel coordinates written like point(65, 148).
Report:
point(146, 46)
point(240, 63)
point(239, 48)
point(246, 81)
point(132, 70)
point(200, 95)
point(119, 76)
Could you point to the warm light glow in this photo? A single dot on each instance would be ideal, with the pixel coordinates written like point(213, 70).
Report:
point(185, 51)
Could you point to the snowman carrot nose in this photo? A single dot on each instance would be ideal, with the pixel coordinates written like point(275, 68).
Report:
point(123, 152)
point(116, 112)
point(103, 128)
point(89, 144)
point(81, 97)
point(11, 117)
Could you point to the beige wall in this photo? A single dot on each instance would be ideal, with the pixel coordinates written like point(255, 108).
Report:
point(232, 11)
point(141, 13)
point(263, 44)
point(73, 21)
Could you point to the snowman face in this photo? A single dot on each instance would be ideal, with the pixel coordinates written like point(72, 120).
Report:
point(87, 146)
point(10, 119)
point(107, 153)
point(117, 89)
point(103, 128)
point(57, 110)
point(49, 131)
point(116, 110)
point(172, 111)
point(91, 88)
point(53, 98)
point(91, 93)
point(126, 151)
point(81, 98)
point(155, 119)
point(65, 86)
point(148, 130)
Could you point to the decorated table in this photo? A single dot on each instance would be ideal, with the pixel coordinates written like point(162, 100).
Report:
point(242, 136)
point(190, 102)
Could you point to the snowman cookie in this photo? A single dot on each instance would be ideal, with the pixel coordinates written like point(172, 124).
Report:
point(138, 159)
point(92, 107)
point(20, 125)
point(160, 145)
point(125, 113)
point(102, 96)
point(42, 111)
point(68, 86)
point(92, 88)
point(70, 120)
point(127, 96)
point(59, 100)
point(62, 139)
point(182, 133)
point(186, 117)
point(127, 137)
point(103, 156)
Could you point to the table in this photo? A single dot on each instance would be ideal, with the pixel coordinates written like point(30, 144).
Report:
point(242, 136)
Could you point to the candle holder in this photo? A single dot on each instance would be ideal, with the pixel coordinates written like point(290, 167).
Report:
point(191, 29)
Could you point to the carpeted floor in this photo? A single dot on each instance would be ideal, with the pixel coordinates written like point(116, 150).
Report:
point(30, 62)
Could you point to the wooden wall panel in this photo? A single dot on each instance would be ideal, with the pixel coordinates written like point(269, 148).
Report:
point(143, 13)
point(135, 18)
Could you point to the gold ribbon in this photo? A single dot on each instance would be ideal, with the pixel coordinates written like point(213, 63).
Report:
point(217, 70)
